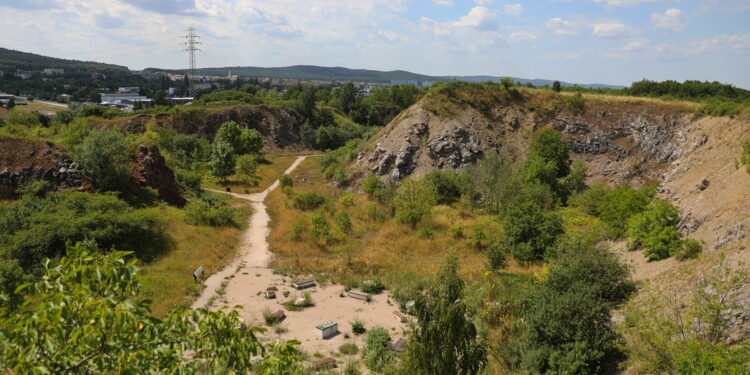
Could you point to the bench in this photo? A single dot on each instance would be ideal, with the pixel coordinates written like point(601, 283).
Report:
point(197, 274)
point(358, 294)
point(303, 283)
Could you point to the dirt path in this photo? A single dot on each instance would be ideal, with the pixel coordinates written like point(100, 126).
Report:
point(244, 281)
point(253, 251)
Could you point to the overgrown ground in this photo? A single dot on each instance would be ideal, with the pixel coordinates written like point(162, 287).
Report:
point(267, 172)
point(168, 281)
point(377, 245)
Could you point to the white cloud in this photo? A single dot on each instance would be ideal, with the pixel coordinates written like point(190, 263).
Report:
point(521, 36)
point(672, 19)
point(634, 45)
point(513, 9)
point(611, 30)
point(562, 27)
point(483, 2)
point(444, 3)
point(739, 43)
point(479, 17)
point(617, 3)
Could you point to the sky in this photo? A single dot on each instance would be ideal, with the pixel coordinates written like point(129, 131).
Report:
point(582, 41)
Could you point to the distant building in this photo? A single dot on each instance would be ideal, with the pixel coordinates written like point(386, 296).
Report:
point(51, 72)
point(98, 76)
point(427, 83)
point(121, 98)
point(404, 82)
point(22, 74)
point(128, 90)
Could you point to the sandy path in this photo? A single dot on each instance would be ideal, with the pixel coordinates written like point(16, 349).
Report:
point(245, 280)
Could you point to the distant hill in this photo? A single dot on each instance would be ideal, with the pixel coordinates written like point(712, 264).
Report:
point(11, 60)
point(313, 72)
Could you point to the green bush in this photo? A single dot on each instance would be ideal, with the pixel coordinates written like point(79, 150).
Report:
point(214, 213)
point(308, 201)
point(344, 222)
point(495, 257)
point(530, 232)
point(377, 352)
point(655, 230)
point(372, 286)
point(745, 155)
point(414, 200)
point(285, 181)
point(619, 205)
point(36, 228)
point(348, 348)
point(299, 227)
point(372, 211)
point(320, 230)
point(449, 185)
point(105, 158)
point(358, 327)
point(372, 186)
point(347, 200)
point(689, 249)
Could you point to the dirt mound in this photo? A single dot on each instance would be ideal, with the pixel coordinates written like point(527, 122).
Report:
point(23, 161)
point(279, 126)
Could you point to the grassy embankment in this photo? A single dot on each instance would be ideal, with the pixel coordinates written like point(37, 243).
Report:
point(168, 281)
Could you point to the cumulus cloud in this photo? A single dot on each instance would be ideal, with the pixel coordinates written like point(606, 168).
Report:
point(513, 9)
point(611, 30)
point(617, 3)
point(164, 6)
point(672, 19)
point(739, 43)
point(562, 27)
point(521, 36)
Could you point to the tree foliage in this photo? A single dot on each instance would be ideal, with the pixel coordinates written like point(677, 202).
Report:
point(377, 354)
point(445, 339)
point(104, 157)
point(414, 200)
point(655, 229)
point(107, 328)
point(530, 232)
point(222, 162)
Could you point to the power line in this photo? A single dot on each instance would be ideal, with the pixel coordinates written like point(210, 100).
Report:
point(191, 42)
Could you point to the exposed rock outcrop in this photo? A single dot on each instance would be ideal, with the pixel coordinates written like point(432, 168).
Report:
point(23, 161)
point(150, 170)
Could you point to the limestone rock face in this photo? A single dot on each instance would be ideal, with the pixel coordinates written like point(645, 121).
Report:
point(150, 170)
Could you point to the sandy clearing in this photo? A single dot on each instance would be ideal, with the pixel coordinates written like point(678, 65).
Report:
point(248, 277)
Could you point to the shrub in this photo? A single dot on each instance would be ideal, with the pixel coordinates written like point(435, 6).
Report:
point(377, 353)
point(449, 185)
point(477, 238)
point(188, 180)
point(347, 200)
point(371, 208)
point(35, 228)
point(269, 317)
point(348, 348)
point(655, 230)
point(414, 200)
point(529, 232)
point(358, 327)
point(372, 186)
point(689, 249)
point(74, 133)
point(456, 231)
point(214, 213)
point(299, 227)
point(344, 222)
point(308, 201)
point(495, 257)
point(372, 286)
point(745, 155)
point(619, 205)
point(285, 181)
point(246, 165)
point(320, 228)
point(104, 157)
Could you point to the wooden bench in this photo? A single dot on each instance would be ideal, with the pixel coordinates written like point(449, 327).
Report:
point(325, 363)
point(358, 294)
point(303, 283)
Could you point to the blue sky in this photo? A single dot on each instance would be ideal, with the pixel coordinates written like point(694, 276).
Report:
point(584, 41)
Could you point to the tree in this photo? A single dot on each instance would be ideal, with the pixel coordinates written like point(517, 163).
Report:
point(530, 232)
point(222, 160)
point(11, 277)
point(377, 352)
point(551, 147)
point(246, 165)
point(372, 186)
point(108, 328)
point(347, 97)
point(491, 177)
point(507, 83)
point(445, 338)
point(556, 86)
point(414, 200)
point(104, 157)
point(242, 140)
point(159, 99)
point(11, 103)
point(568, 318)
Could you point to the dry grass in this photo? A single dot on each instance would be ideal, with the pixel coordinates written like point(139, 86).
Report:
point(374, 248)
point(168, 281)
point(266, 174)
